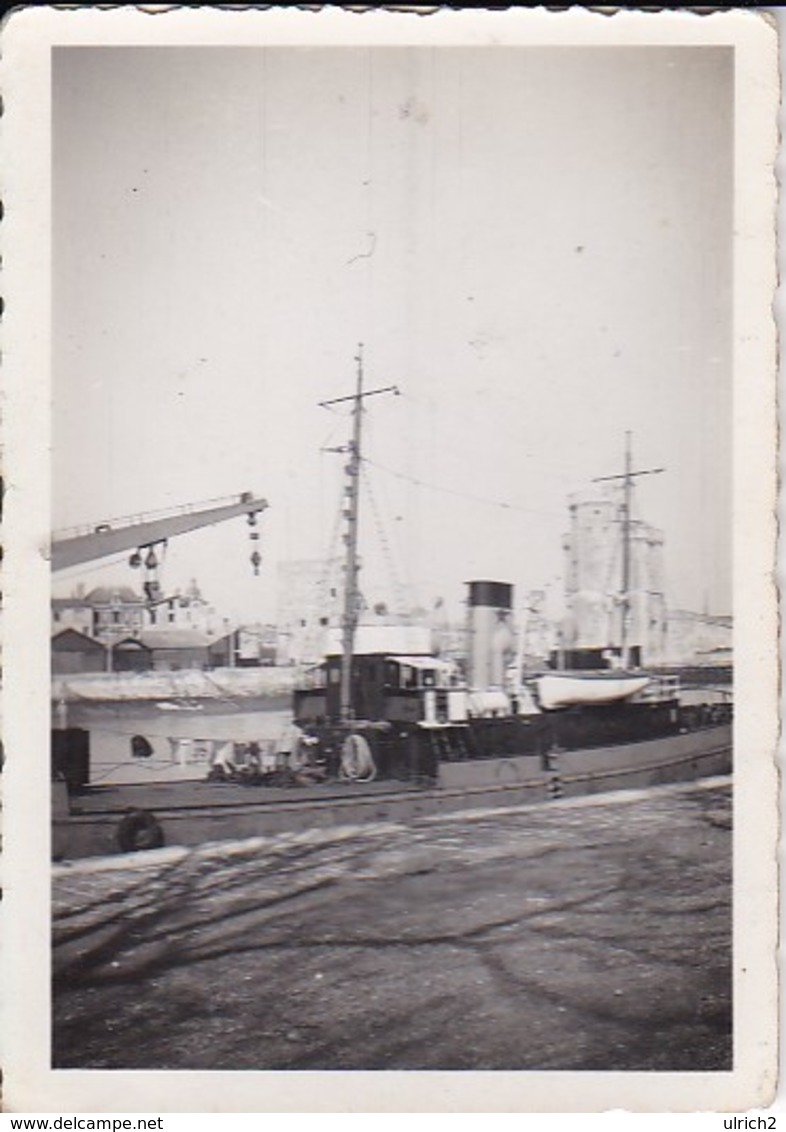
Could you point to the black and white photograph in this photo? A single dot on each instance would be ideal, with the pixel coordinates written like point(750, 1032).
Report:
point(404, 639)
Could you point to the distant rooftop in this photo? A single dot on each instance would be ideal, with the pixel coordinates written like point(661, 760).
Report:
point(105, 595)
point(175, 639)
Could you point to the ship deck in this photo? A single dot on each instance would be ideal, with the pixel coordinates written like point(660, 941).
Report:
point(192, 813)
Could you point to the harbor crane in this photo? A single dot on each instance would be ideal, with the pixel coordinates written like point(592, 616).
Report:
point(142, 533)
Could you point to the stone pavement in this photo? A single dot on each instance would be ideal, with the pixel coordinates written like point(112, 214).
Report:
point(588, 934)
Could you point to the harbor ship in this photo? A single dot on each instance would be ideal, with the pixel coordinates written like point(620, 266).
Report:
point(385, 729)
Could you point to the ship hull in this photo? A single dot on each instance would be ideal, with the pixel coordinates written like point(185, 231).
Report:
point(193, 813)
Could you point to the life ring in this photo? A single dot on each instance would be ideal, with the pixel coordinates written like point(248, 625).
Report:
point(357, 761)
point(139, 830)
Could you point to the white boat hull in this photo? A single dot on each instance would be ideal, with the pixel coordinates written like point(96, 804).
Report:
point(571, 689)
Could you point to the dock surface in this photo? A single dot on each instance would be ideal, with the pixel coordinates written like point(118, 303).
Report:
point(590, 934)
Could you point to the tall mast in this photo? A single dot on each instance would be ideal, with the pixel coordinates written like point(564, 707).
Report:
point(627, 478)
point(625, 597)
point(352, 495)
point(351, 512)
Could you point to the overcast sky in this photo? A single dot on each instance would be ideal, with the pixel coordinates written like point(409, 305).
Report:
point(534, 244)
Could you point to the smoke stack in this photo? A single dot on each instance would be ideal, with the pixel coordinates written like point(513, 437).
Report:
point(490, 624)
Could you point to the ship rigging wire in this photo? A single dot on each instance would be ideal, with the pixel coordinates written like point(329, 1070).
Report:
point(502, 504)
point(384, 542)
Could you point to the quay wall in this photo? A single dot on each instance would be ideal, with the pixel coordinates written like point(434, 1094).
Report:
point(217, 683)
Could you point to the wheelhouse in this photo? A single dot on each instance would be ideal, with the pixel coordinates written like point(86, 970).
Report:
point(385, 687)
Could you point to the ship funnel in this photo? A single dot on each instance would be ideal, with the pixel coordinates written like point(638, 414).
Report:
point(490, 633)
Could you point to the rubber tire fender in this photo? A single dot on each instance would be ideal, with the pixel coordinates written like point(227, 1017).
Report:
point(139, 830)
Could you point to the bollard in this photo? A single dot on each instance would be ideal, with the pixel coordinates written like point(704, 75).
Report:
point(551, 764)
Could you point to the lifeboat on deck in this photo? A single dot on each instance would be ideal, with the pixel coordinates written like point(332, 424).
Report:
point(573, 689)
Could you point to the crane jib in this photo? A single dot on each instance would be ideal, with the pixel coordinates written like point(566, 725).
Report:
point(108, 539)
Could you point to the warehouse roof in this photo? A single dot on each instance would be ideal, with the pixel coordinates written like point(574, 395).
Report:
point(175, 639)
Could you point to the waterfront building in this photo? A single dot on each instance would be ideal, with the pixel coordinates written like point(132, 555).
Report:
point(75, 652)
point(594, 572)
point(310, 597)
point(699, 639)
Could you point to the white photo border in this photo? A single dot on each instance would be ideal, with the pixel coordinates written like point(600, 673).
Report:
point(30, 1083)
